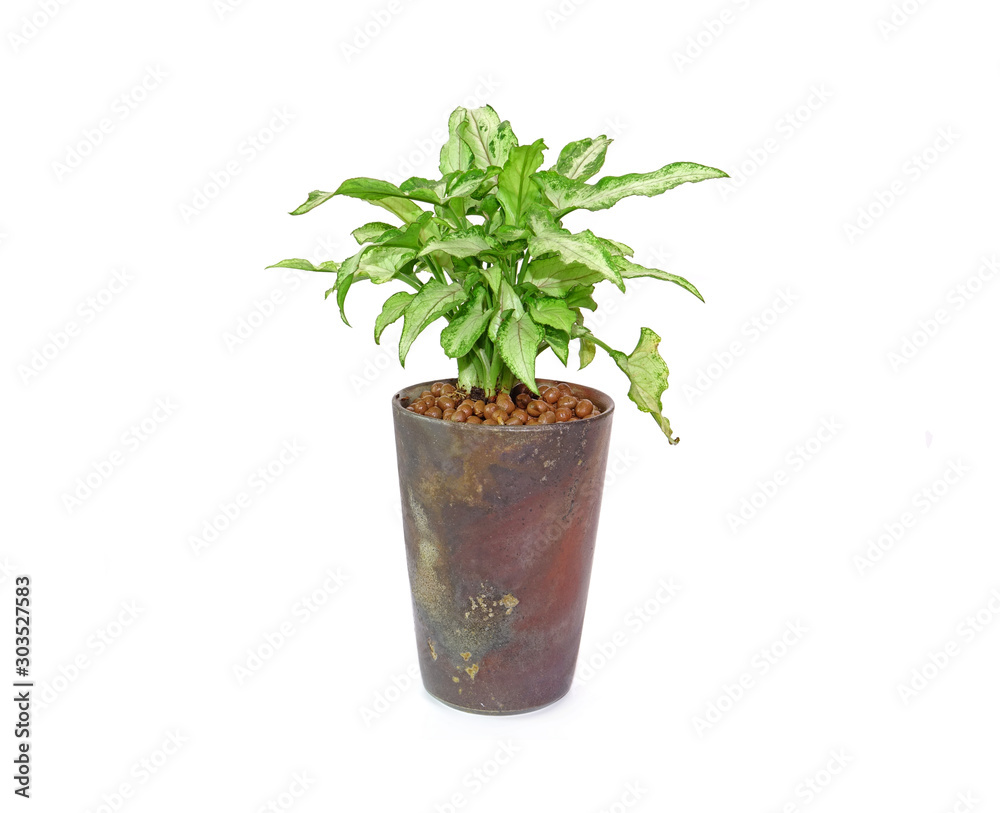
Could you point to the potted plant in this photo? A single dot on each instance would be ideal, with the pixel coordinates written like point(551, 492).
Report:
point(501, 473)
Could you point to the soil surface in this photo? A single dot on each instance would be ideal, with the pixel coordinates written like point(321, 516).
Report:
point(555, 404)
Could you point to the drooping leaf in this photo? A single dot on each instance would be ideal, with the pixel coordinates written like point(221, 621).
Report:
point(467, 325)
point(582, 160)
point(517, 341)
point(567, 194)
point(515, 191)
point(370, 232)
point(584, 248)
point(345, 279)
point(587, 351)
point(431, 302)
point(456, 156)
point(461, 244)
point(391, 311)
point(316, 197)
point(648, 373)
point(552, 312)
point(508, 300)
point(559, 342)
point(581, 298)
point(631, 270)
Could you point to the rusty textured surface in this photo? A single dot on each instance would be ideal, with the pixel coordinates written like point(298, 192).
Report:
point(499, 525)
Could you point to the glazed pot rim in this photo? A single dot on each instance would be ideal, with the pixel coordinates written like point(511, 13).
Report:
point(606, 405)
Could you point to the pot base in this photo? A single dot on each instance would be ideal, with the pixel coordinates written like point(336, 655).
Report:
point(495, 712)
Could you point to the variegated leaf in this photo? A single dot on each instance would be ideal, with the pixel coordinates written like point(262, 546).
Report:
point(630, 270)
point(370, 232)
point(517, 340)
point(456, 156)
point(429, 303)
point(582, 160)
point(584, 248)
point(515, 191)
point(392, 310)
point(467, 325)
point(566, 194)
point(461, 244)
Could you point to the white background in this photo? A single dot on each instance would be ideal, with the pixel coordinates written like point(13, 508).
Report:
point(862, 144)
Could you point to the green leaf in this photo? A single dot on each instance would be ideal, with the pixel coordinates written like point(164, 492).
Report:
point(517, 341)
point(552, 312)
point(463, 184)
point(511, 234)
point(566, 194)
point(648, 373)
point(488, 208)
point(467, 325)
point(582, 160)
point(467, 375)
point(584, 248)
point(631, 270)
point(412, 235)
point(305, 265)
point(381, 193)
point(616, 248)
point(587, 351)
point(345, 279)
point(515, 191)
point(391, 311)
point(462, 243)
point(581, 298)
point(429, 303)
point(456, 156)
point(503, 144)
point(405, 210)
point(493, 275)
point(508, 300)
point(541, 221)
point(381, 263)
point(554, 277)
point(370, 231)
point(559, 342)
point(316, 197)
point(479, 130)
point(423, 189)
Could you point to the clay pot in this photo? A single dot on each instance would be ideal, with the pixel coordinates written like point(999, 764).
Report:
point(500, 525)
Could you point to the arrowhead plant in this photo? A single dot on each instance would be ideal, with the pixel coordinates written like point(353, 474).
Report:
point(484, 248)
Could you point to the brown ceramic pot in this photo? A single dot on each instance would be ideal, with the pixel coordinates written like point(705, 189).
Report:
point(500, 525)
